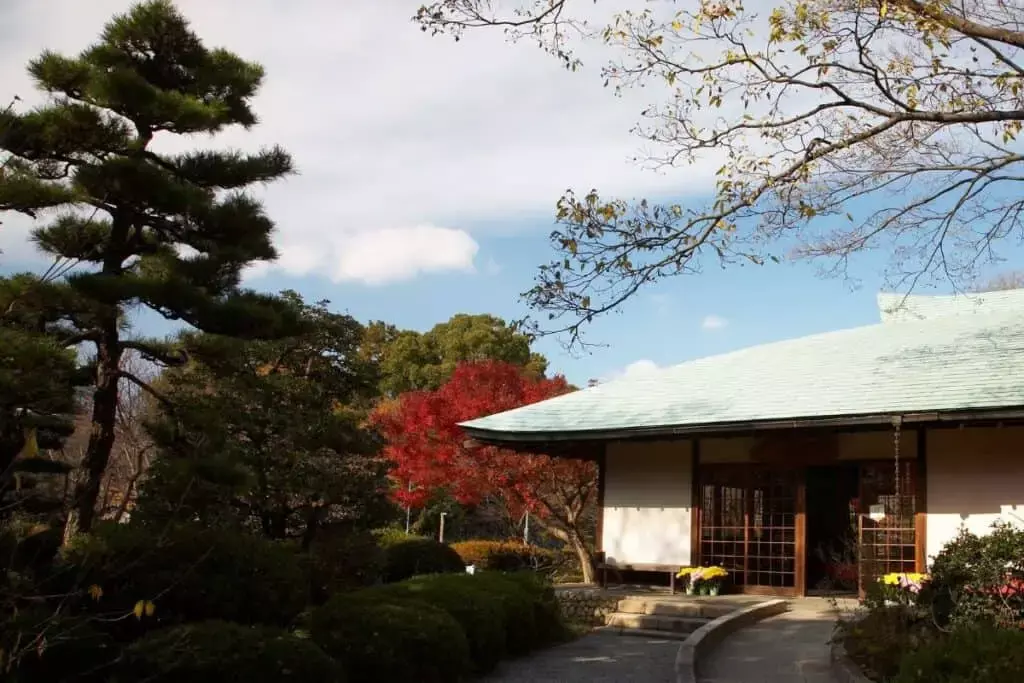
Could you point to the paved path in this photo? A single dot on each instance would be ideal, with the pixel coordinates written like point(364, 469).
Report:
point(790, 648)
point(595, 658)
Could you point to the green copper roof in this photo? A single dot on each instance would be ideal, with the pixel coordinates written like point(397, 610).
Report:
point(931, 354)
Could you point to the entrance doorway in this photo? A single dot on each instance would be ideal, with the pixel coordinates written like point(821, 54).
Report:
point(832, 538)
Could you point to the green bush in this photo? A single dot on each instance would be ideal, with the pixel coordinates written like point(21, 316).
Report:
point(189, 573)
point(880, 640)
point(978, 580)
point(342, 560)
point(414, 556)
point(480, 613)
point(533, 617)
point(395, 641)
point(547, 612)
point(221, 652)
point(969, 655)
point(505, 556)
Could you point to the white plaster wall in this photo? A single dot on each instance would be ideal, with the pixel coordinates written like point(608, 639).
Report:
point(975, 477)
point(647, 502)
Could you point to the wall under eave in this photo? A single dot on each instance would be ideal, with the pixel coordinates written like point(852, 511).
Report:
point(975, 477)
point(647, 506)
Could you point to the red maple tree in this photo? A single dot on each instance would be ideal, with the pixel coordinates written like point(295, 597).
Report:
point(430, 452)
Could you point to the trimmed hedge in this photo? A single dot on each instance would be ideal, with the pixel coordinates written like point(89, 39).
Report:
point(413, 556)
point(480, 613)
point(550, 627)
point(969, 655)
point(343, 560)
point(190, 574)
point(222, 652)
point(400, 641)
point(505, 556)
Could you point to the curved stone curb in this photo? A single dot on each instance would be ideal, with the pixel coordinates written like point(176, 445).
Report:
point(844, 670)
point(710, 634)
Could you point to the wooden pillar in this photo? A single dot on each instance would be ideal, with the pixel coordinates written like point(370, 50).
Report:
point(695, 503)
point(602, 473)
point(921, 502)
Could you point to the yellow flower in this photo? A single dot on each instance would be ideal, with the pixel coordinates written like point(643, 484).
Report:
point(684, 572)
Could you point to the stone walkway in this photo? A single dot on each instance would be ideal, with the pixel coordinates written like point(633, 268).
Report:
point(595, 658)
point(790, 648)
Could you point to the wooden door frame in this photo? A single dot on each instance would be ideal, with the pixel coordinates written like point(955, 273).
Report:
point(799, 531)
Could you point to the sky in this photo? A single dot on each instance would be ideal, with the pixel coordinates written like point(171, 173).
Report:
point(429, 171)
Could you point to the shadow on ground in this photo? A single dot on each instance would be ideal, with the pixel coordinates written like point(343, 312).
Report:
point(595, 658)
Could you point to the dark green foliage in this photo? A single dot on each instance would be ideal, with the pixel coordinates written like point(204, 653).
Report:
point(969, 655)
point(398, 642)
point(520, 612)
point(221, 652)
point(168, 232)
point(342, 560)
point(478, 611)
point(880, 640)
point(979, 580)
point(269, 435)
point(39, 645)
point(547, 613)
point(414, 556)
point(189, 573)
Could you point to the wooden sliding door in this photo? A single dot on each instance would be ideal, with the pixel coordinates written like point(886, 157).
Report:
point(751, 523)
point(888, 519)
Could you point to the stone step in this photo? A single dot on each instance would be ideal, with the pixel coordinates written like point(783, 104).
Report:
point(706, 609)
point(652, 622)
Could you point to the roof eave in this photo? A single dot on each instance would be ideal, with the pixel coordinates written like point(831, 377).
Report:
point(497, 437)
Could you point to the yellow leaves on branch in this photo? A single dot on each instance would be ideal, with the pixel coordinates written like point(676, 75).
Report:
point(95, 592)
point(144, 608)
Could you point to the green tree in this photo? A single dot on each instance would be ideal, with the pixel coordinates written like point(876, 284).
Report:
point(410, 361)
point(269, 435)
point(168, 232)
point(38, 375)
point(870, 125)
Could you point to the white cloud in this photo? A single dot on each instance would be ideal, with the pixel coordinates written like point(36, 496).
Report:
point(393, 131)
point(635, 369)
point(713, 322)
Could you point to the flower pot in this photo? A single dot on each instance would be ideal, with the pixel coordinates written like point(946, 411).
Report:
point(714, 588)
point(691, 589)
point(705, 589)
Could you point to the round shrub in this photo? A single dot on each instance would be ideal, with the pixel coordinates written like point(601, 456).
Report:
point(221, 652)
point(480, 613)
point(505, 556)
point(189, 573)
point(969, 655)
point(414, 556)
point(547, 612)
point(529, 623)
point(978, 580)
point(395, 641)
point(343, 560)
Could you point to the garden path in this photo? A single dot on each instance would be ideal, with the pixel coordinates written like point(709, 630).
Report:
point(792, 647)
point(595, 658)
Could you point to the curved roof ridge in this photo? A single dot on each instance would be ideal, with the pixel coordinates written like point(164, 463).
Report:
point(894, 307)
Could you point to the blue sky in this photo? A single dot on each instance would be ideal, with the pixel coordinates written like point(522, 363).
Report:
point(429, 173)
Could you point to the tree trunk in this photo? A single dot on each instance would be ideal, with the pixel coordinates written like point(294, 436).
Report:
point(584, 555)
point(104, 419)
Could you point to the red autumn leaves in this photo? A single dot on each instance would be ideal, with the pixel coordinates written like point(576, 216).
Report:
point(429, 450)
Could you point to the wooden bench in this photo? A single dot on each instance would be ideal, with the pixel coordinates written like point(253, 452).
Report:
point(604, 566)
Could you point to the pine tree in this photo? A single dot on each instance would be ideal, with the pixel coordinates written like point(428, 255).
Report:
point(170, 232)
